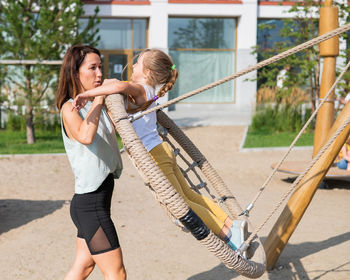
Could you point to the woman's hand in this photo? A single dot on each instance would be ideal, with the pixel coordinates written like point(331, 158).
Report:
point(80, 101)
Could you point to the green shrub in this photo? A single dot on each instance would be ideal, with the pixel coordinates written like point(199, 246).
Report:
point(280, 118)
point(46, 120)
point(16, 122)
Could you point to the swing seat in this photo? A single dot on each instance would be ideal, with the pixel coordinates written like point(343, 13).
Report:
point(255, 265)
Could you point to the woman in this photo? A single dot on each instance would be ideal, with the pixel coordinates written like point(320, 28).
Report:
point(92, 149)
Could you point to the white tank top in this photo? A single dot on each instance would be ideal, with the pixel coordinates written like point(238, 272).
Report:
point(146, 127)
point(92, 163)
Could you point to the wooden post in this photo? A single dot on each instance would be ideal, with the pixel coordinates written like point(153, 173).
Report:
point(305, 190)
point(329, 49)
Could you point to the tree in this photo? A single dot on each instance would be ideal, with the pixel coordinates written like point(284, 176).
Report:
point(304, 66)
point(40, 30)
point(3, 94)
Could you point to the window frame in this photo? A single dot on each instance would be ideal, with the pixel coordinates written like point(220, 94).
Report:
point(129, 52)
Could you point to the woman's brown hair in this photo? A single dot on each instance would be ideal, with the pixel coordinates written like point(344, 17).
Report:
point(161, 71)
point(69, 84)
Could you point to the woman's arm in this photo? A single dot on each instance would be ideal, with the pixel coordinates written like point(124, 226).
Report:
point(111, 86)
point(83, 131)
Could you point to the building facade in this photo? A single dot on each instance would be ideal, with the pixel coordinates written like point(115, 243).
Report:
point(208, 40)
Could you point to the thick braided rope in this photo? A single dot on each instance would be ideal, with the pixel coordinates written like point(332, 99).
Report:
point(176, 205)
point(247, 268)
point(325, 99)
point(257, 66)
point(300, 177)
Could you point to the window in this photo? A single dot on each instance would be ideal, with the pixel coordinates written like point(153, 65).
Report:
point(120, 40)
point(269, 33)
point(277, 35)
point(281, 33)
point(204, 51)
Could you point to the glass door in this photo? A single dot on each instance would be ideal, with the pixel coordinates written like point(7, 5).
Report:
point(114, 62)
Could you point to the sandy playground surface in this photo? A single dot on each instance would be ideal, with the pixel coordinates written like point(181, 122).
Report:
point(37, 236)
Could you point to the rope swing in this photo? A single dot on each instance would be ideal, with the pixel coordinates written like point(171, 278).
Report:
point(253, 267)
point(176, 207)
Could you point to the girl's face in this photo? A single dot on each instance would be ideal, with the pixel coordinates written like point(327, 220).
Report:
point(90, 71)
point(138, 74)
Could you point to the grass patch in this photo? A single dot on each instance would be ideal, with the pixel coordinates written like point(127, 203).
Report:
point(15, 142)
point(47, 142)
point(260, 139)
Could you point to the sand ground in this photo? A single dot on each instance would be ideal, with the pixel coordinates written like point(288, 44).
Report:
point(37, 236)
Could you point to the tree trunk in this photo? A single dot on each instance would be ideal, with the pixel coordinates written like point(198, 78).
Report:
point(29, 109)
point(30, 125)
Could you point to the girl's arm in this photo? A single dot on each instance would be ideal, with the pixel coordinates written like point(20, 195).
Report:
point(111, 86)
point(83, 131)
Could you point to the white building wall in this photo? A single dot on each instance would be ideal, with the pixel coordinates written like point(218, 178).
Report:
point(277, 11)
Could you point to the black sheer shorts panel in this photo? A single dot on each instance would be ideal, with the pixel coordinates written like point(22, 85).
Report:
point(91, 214)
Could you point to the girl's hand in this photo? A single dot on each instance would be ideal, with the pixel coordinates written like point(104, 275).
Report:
point(80, 101)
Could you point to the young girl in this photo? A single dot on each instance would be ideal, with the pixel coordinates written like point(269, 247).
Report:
point(155, 68)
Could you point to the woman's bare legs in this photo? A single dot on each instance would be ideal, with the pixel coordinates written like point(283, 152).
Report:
point(83, 262)
point(111, 264)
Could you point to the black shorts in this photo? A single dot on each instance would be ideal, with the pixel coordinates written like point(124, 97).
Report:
point(91, 214)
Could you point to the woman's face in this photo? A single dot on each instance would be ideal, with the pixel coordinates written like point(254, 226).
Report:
point(90, 71)
point(137, 70)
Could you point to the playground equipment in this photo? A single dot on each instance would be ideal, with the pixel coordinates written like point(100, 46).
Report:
point(306, 184)
point(174, 204)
